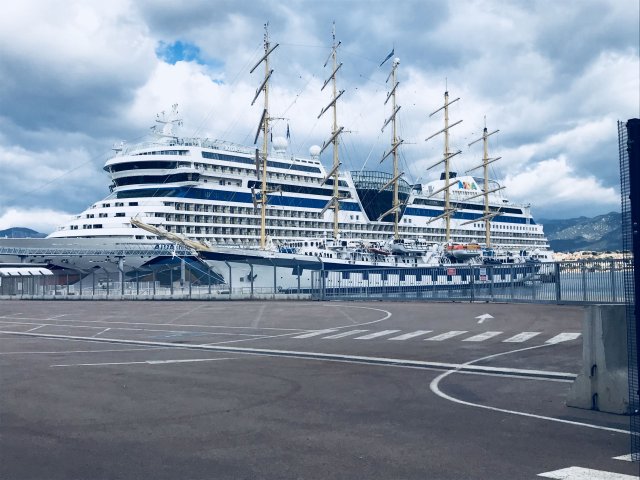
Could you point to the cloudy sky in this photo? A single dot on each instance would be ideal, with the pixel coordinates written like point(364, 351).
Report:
point(77, 76)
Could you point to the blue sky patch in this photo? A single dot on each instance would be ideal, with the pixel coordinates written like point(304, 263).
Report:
point(179, 51)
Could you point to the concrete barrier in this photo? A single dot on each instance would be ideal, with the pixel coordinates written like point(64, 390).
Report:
point(603, 383)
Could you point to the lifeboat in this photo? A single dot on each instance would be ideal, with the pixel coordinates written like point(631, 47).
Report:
point(464, 251)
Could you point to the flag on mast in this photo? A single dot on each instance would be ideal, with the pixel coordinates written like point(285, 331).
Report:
point(388, 57)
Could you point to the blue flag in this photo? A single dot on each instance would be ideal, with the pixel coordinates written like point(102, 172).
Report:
point(388, 57)
point(288, 133)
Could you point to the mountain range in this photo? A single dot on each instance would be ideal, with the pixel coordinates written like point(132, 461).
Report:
point(21, 232)
point(600, 233)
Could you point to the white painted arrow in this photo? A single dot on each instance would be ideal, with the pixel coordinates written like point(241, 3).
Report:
point(578, 473)
point(483, 317)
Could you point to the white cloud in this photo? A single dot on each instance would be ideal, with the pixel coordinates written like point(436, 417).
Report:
point(77, 75)
point(43, 220)
point(559, 189)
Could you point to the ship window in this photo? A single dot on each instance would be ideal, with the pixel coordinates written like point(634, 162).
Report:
point(119, 214)
point(133, 204)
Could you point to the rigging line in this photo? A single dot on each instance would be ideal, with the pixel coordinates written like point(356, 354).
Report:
point(304, 45)
point(234, 84)
point(233, 124)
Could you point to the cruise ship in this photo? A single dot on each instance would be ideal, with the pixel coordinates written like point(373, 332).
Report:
point(222, 194)
point(204, 190)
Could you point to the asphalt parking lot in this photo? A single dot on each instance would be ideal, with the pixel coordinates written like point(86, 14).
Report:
point(297, 390)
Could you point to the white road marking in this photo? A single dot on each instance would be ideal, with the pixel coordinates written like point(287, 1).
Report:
point(176, 332)
point(435, 388)
point(377, 334)
point(187, 313)
point(64, 352)
point(35, 328)
point(147, 362)
point(386, 317)
point(481, 337)
point(447, 335)
point(579, 473)
point(345, 334)
point(406, 336)
point(317, 332)
point(563, 337)
point(109, 322)
point(103, 331)
point(522, 337)
point(256, 321)
point(629, 457)
point(482, 318)
point(328, 357)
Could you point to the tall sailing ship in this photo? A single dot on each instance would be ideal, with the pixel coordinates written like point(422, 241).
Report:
point(395, 230)
point(225, 196)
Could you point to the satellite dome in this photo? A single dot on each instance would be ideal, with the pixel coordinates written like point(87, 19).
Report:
point(396, 61)
point(314, 151)
point(280, 144)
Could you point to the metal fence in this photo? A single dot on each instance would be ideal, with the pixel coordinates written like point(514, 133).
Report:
point(580, 282)
point(629, 154)
point(177, 280)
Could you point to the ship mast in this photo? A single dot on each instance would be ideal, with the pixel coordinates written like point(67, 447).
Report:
point(395, 143)
point(485, 166)
point(335, 132)
point(446, 158)
point(261, 160)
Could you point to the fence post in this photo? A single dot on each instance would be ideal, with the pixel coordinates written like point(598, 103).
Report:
point(230, 281)
point(584, 281)
point(472, 283)
point(512, 273)
point(556, 277)
point(251, 277)
point(612, 267)
point(322, 281)
point(121, 275)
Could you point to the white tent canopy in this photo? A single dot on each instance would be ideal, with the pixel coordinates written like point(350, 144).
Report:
point(24, 271)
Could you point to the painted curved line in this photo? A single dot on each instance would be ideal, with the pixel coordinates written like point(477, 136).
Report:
point(435, 388)
point(386, 317)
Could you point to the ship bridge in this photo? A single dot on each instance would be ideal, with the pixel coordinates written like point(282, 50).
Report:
point(375, 202)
